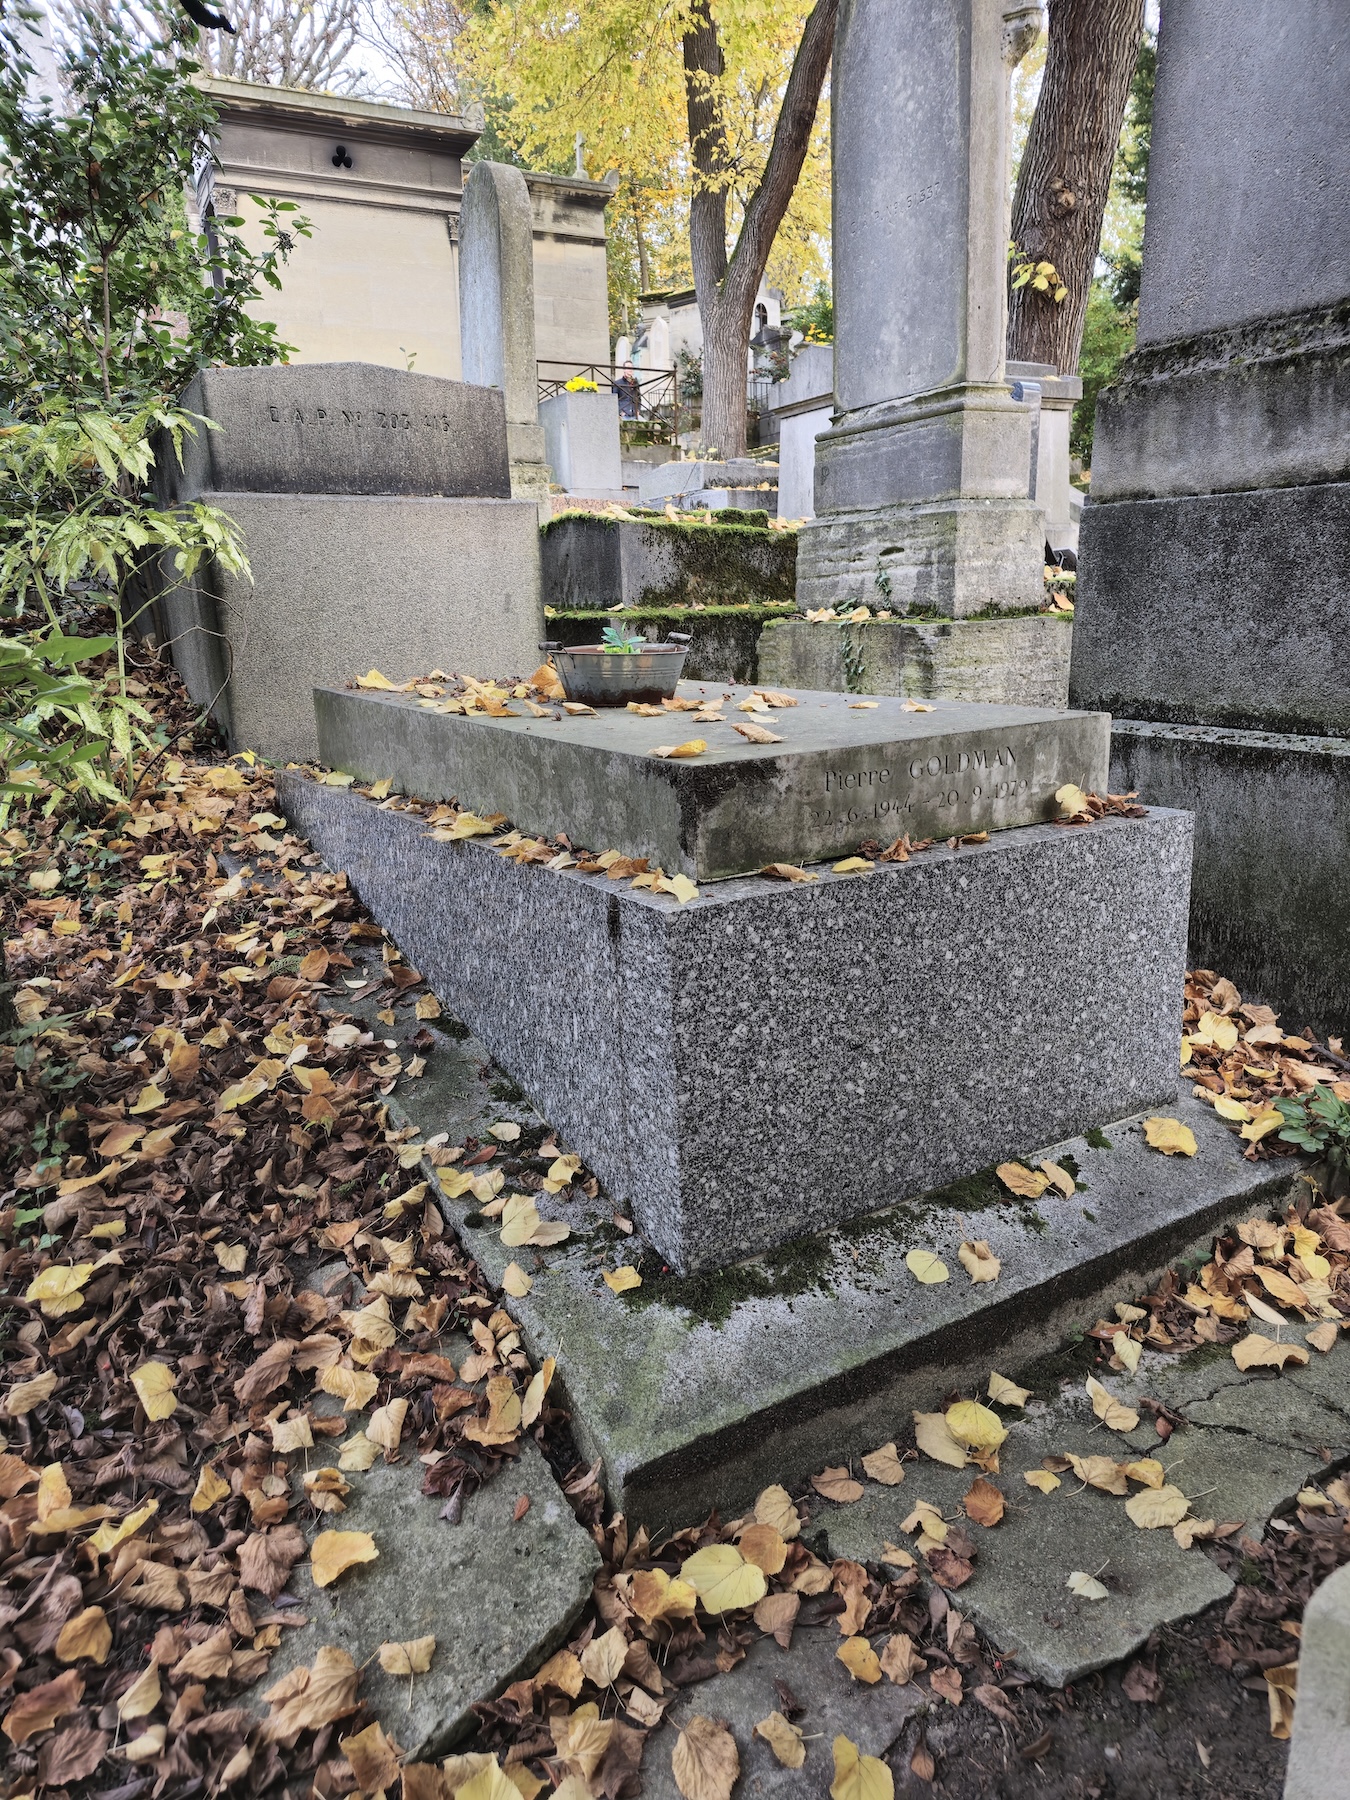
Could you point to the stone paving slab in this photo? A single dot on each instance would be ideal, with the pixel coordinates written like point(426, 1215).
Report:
point(874, 1717)
point(1242, 1455)
point(498, 1594)
point(1018, 1594)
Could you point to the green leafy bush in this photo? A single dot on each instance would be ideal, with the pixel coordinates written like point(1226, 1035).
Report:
point(1319, 1124)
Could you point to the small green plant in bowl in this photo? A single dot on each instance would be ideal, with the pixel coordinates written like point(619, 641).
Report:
point(621, 640)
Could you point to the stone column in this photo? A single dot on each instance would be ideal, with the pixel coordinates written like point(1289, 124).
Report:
point(496, 312)
point(921, 484)
point(1214, 587)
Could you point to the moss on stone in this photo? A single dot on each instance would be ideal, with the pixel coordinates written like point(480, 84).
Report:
point(806, 1262)
point(1096, 1139)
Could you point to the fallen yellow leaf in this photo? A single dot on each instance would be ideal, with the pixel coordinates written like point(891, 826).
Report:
point(693, 747)
point(884, 1465)
point(621, 1281)
point(57, 1288)
point(979, 1261)
point(705, 1762)
point(88, 1634)
point(860, 1659)
point(210, 1488)
point(934, 1438)
point(1029, 1184)
point(154, 1385)
point(410, 1658)
point(975, 1426)
point(722, 1578)
point(334, 1552)
point(1170, 1136)
point(1255, 1351)
point(1153, 1508)
point(858, 1777)
point(1007, 1393)
point(926, 1266)
point(784, 1739)
point(1113, 1413)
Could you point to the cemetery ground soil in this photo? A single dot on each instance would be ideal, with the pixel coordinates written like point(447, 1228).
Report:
point(152, 1339)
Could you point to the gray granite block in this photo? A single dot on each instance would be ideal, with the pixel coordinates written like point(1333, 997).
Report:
point(338, 428)
point(769, 1059)
point(1249, 177)
point(598, 562)
point(839, 775)
point(1269, 902)
point(1259, 406)
point(645, 1374)
point(1217, 609)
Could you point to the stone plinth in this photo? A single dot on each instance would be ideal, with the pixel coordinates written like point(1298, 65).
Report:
point(999, 662)
point(1052, 491)
point(338, 428)
point(840, 776)
point(581, 442)
point(922, 480)
point(602, 562)
point(1215, 551)
point(771, 1058)
point(1319, 1749)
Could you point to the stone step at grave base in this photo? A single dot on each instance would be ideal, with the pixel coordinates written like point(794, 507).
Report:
point(698, 1393)
point(1017, 661)
point(687, 1051)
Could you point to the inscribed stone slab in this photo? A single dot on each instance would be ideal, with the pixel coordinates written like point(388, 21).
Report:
point(844, 772)
point(339, 428)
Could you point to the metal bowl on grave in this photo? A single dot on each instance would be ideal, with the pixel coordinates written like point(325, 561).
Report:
point(598, 676)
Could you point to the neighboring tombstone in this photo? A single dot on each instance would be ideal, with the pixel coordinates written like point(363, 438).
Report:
point(1052, 490)
point(496, 312)
point(1319, 1746)
point(581, 443)
point(921, 484)
point(376, 514)
point(803, 406)
point(658, 344)
point(1213, 606)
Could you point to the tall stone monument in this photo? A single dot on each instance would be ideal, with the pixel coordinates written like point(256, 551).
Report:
point(921, 484)
point(1213, 609)
point(496, 312)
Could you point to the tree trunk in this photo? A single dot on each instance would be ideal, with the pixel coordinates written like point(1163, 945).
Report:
point(1065, 177)
point(726, 287)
